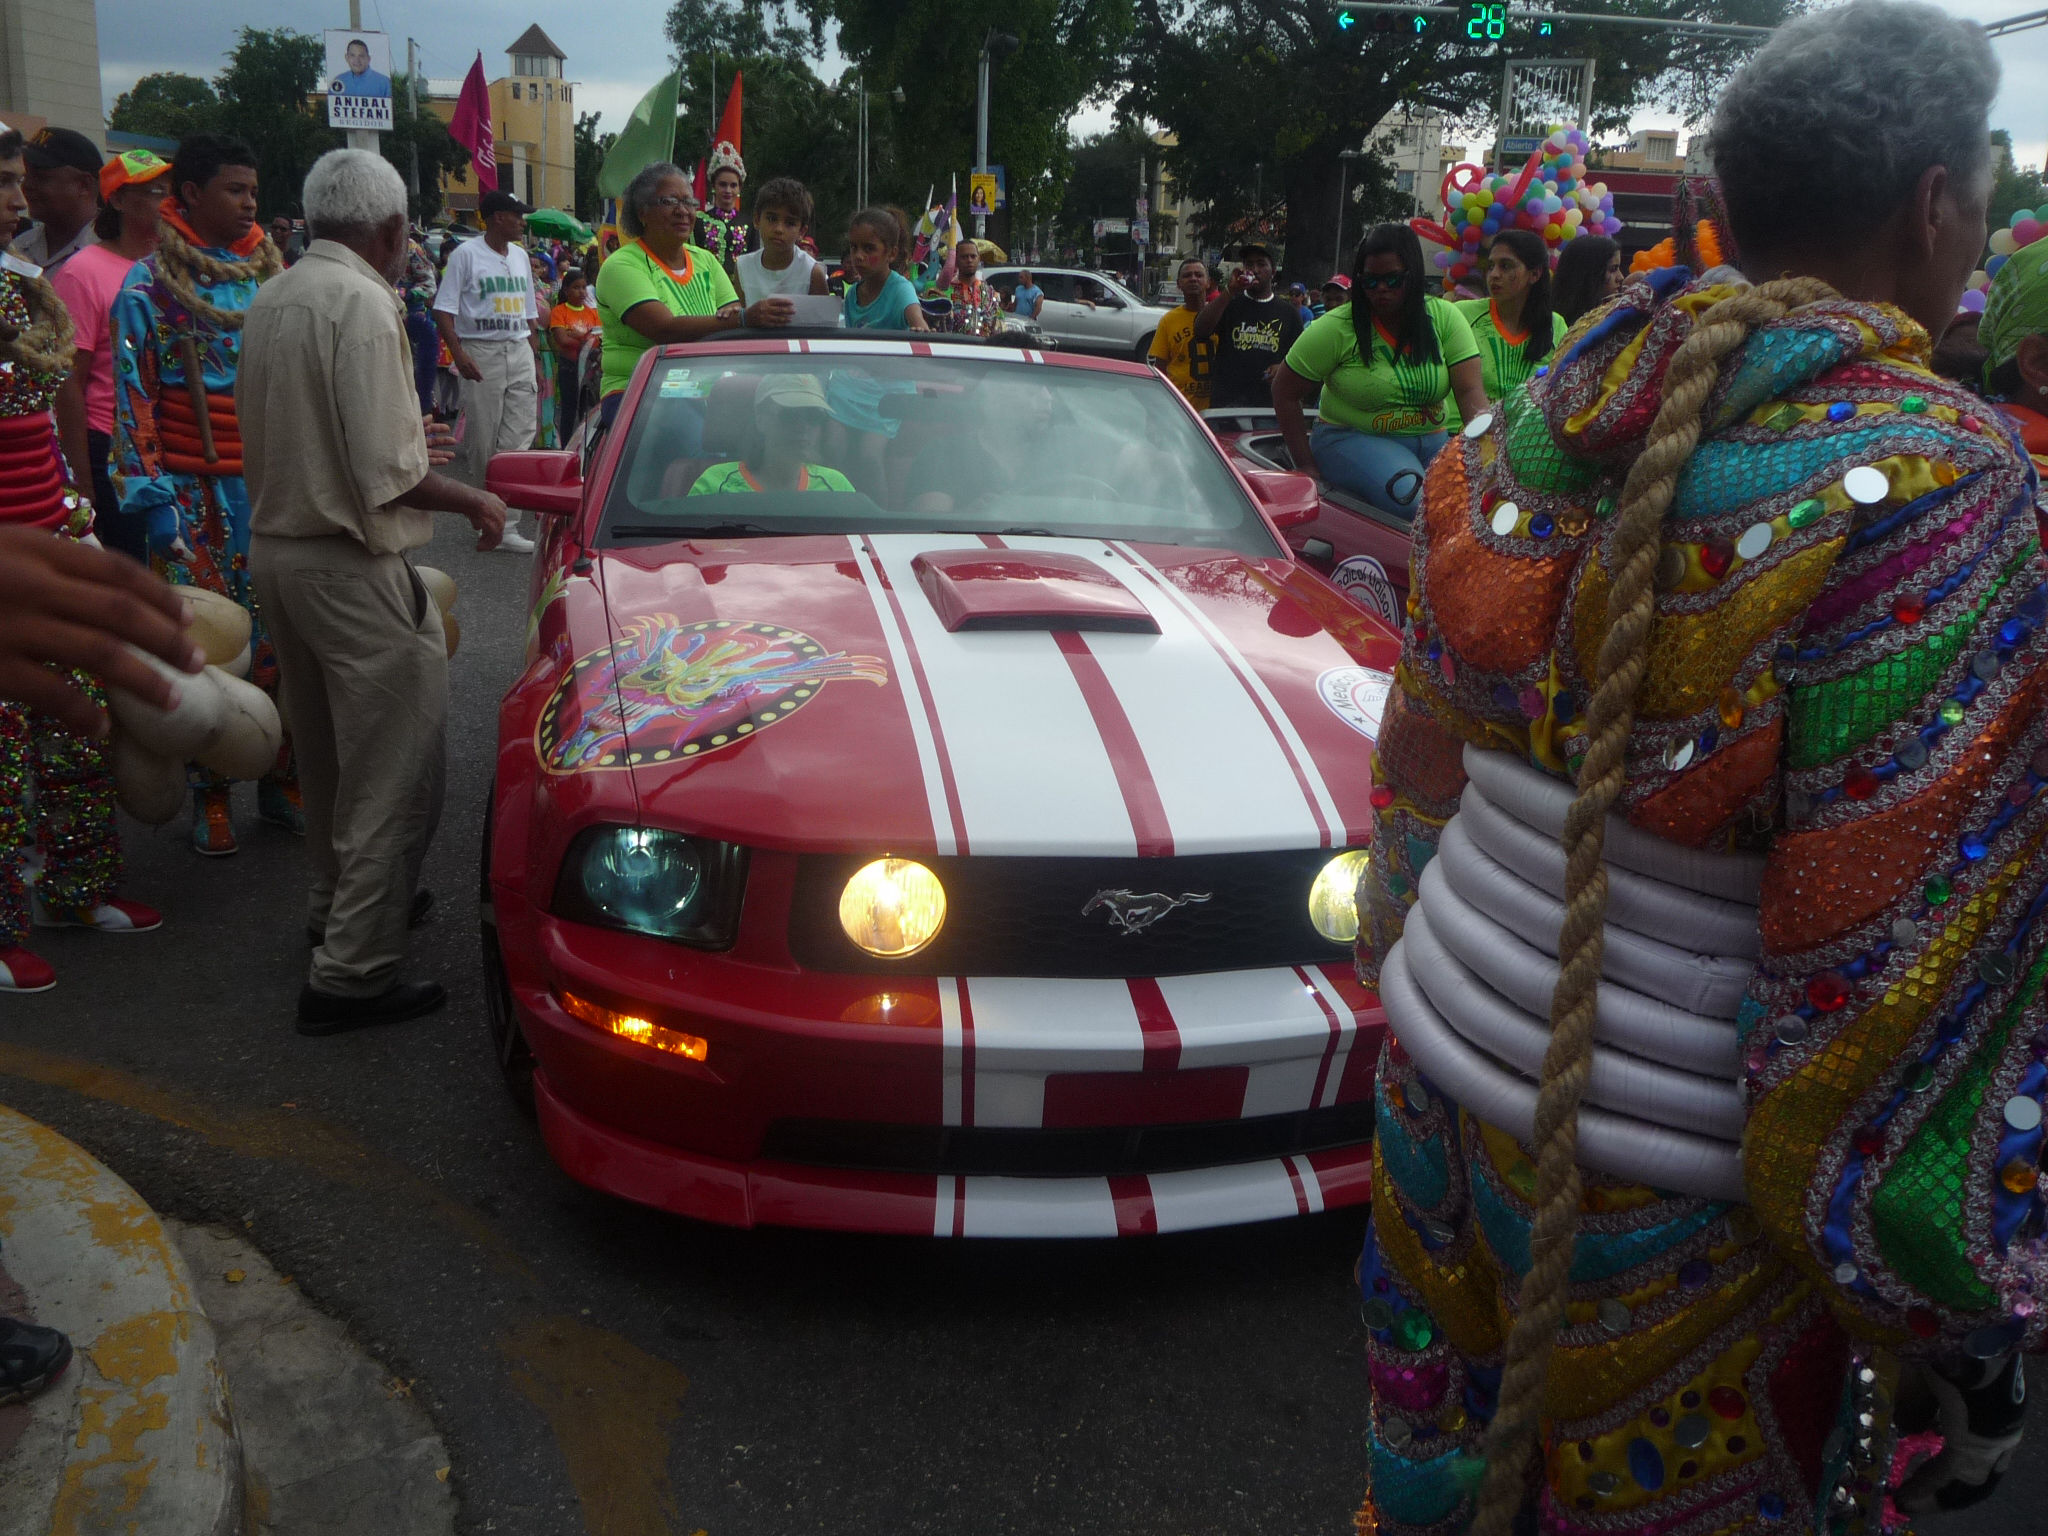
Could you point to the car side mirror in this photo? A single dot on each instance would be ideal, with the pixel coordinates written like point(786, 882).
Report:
point(1290, 498)
point(544, 480)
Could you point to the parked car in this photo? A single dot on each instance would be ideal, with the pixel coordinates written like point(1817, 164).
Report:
point(1085, 311)
point(1362, 550)
point(961, 839)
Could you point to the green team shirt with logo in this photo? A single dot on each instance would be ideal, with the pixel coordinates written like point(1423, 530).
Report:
point(722, 479)
point(1379, 392)
point(1503, 362)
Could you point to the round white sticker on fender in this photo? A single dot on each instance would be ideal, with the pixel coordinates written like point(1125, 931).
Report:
point(1357, 696)
point(1364, 580)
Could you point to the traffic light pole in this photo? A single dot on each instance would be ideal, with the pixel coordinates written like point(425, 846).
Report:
point(1518, 13)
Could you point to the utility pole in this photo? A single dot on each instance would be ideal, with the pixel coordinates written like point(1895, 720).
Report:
point(412, 107)
point(996, 45)
point(360, 138)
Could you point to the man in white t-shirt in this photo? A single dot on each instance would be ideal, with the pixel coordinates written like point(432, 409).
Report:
point(488, 314)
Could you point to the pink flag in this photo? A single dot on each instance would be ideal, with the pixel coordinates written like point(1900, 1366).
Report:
point(471, 127)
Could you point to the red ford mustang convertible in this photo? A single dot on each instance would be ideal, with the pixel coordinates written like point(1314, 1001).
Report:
point(932, 803)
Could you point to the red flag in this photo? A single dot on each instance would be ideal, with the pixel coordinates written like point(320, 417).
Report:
point(725, 146)
point(471, 127)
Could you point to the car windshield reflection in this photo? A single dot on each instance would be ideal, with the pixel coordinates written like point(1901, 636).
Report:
point(749, 445)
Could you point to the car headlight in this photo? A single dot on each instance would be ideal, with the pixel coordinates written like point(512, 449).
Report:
point(1333, 899)
point(645, 880)
point(892, 907)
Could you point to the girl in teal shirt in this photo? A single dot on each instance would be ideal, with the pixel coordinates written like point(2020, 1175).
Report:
point(881, 298)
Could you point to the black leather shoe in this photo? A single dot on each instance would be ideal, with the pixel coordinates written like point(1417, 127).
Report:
point(422, 908)
point(31, 1357)
point(323, 1013)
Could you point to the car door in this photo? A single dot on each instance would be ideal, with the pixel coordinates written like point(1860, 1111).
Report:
point(1061, 316)
point(1101, 318)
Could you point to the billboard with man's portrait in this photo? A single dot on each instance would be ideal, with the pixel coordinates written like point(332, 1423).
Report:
point(358, 80)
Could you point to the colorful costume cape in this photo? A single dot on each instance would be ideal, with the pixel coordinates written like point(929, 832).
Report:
point(1846, 677)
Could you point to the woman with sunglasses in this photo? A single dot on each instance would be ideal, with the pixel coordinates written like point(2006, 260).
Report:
point(1388, 363)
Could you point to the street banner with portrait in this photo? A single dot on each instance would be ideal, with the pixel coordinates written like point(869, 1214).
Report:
point(358, 80)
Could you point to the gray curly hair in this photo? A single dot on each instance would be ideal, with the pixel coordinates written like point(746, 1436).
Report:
point(1825, 131)
point(640, 192)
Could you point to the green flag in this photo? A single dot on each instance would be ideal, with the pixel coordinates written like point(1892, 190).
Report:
point(648, 138)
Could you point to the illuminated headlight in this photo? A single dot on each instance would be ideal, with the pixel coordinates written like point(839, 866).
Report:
point(1333, 899)
point(645, 880)
point(892, 907)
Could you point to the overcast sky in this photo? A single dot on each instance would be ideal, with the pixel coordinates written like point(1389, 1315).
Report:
point(614, 55)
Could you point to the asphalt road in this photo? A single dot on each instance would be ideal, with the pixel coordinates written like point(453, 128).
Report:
point(598, 1367)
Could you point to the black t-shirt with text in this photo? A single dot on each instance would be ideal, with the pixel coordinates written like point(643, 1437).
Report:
point(1253, 336)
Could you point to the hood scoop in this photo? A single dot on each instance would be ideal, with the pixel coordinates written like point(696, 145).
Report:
point(974, 589)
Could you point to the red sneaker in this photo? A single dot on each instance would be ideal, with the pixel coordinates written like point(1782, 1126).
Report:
point(115, 916)
point(22, 970)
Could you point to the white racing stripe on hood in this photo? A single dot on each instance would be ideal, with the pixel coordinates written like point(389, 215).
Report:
point(1222, 774)
point(1032, 772)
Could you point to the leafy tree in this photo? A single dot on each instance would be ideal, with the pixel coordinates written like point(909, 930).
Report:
point(1067, 55)
point(591, 148)
point(269, 93)
point(2013, 187)
point(1102, 185)
point(1263, 95)
point(422, 132)
point(794, 123)
point(166, 106)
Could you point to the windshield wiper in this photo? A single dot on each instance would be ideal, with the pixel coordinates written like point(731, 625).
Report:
point(687, 530)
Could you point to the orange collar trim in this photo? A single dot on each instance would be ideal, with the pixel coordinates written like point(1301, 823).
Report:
point(174, 216)
point(1512, 338)
point(689, 268)
point(803, 477)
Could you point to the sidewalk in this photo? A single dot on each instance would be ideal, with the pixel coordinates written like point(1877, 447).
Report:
point(138, 1434)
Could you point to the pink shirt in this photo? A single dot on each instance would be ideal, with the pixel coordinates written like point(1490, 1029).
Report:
point(87, 284)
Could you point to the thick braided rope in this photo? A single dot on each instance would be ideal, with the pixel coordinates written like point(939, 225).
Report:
point(179, 263)
point(1610, 717)
point(44, 344)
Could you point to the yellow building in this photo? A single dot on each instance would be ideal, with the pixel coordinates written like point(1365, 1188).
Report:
point(533, 116)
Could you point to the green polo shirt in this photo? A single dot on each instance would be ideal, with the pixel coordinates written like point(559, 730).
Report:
point(632, 275)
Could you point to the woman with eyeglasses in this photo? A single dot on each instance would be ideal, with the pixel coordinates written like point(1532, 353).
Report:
point(1389, 364)
point(658, 287)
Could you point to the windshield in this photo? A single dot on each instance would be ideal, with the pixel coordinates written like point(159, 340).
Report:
point(960, 442)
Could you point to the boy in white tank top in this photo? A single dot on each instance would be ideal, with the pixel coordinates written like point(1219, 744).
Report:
point(781, 268)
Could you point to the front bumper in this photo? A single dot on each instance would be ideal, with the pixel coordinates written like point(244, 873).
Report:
point(976, 1106)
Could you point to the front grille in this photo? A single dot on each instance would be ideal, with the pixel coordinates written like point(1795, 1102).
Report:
point(1023, 916)
point(1089, 1153)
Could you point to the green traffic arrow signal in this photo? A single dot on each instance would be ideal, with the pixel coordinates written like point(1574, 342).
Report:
point(1346, 21)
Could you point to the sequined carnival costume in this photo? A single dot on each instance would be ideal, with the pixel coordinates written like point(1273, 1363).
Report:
point(1837, 761)
point(58, 829)
point(177, 454)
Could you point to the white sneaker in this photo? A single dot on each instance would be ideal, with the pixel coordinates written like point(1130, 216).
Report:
point(515, 542)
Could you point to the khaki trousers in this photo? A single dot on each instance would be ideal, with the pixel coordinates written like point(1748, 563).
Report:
point(363, 675)
point(500, 411)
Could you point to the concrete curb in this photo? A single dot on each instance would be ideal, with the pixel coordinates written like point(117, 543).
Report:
point(137, 1435)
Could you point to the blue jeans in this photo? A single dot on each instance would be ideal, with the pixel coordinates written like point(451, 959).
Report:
point(1385, 471)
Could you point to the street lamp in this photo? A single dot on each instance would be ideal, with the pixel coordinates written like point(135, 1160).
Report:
point(997, 45)
point(1343, 157)
point(860, 195)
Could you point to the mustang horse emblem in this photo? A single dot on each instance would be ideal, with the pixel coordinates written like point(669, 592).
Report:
point(1131, 912)
point(669, 690)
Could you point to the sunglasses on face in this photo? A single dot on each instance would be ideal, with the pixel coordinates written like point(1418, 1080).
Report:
point(1371, 280)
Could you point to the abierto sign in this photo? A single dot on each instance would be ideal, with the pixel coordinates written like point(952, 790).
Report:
point(358, 80)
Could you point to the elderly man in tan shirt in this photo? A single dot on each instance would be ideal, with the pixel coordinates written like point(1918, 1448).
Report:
point(341, 487)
